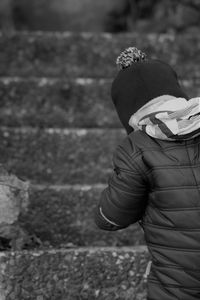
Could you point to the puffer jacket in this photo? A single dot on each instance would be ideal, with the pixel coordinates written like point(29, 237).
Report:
point(157, 181)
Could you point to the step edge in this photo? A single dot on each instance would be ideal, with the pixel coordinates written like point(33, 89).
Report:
point(64, 187)
point(45, 80)
point(82, 81)
point(57, 130)
point(133, 249)
point(88, 34)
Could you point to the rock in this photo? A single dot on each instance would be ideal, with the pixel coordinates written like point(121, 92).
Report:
point(13, 201)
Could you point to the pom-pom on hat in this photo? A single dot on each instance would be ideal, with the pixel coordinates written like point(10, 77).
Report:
point(130, 56)
point(140, 80)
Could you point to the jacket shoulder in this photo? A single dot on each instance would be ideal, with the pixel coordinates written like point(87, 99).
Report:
point(129, 153)
point(133, 149)
point(138, 141)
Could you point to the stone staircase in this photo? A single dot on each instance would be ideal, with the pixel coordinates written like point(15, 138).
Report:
point(59, 130)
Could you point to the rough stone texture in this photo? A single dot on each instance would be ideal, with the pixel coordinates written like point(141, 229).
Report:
point(91, 55)
point(14, 200)
point(59, 156)
point(64, 217)
point(63, 103)
point(13, 197)
point(57, 103)
point(103, 274)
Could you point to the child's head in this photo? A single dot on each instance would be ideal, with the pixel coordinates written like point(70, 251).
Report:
point(139, 81)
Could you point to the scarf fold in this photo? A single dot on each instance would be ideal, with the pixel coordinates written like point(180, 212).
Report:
point(169, 118)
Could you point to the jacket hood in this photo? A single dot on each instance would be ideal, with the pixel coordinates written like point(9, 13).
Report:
point(169, 118)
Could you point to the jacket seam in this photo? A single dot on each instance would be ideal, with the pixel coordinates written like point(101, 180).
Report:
point(172, 285)
point(130, 156)
point(114, 185)
point(172, 248)
point(175, 166)
point(128, 171)
point(168, 148)
point(155, 263)
point(192, 170)
point(170, 228)
point(122, 209)
point(175, 209)
point(134, 156)
point(171, 188)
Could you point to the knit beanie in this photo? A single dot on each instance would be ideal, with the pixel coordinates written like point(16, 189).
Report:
point(140, 80)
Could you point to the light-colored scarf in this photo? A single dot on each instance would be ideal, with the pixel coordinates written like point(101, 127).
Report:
point(169, 118)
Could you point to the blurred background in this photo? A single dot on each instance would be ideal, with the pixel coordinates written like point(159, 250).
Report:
point(105, 15)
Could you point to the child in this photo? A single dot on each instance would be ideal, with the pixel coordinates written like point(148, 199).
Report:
point(156, 178)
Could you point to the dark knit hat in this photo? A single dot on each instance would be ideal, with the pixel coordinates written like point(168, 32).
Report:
point(139, 81)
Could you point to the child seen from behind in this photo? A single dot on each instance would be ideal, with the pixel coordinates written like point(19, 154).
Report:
point(156, 177)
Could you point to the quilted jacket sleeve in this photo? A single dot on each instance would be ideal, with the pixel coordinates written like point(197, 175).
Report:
point(123, 202)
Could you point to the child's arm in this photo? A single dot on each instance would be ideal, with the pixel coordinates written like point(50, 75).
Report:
point(123, 202)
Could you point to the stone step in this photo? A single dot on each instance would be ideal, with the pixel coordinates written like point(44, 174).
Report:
point(46, 102)
point(91, 54)
point(63, 216)
point(56, 156)
point(84, 273)
point(57, 102)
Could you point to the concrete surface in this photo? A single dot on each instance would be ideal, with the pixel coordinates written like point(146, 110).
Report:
point(64, 217)
point(59, 156)
point(80, 102)
point(71, 55)
point(84, 273)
